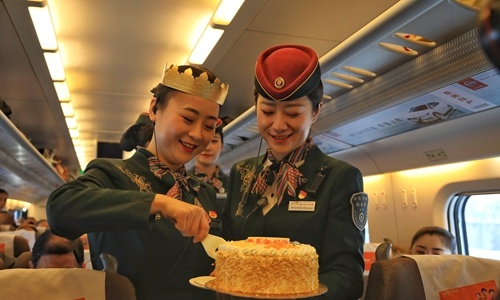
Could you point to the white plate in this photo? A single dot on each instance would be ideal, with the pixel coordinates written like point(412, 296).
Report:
point(201, 281)
point(321, 290)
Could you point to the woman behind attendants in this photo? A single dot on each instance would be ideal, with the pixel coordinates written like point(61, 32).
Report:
point(433, 240)
point(144, 210)
point(205, 165)
point(266, 194)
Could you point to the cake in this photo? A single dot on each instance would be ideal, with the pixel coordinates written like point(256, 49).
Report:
point(270, 266)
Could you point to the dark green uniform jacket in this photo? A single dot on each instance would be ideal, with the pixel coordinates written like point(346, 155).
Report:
point(111, 203)
point(221, 176)
point(329, 228)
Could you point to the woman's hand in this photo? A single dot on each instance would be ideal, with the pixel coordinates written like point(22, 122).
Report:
point(189, 219)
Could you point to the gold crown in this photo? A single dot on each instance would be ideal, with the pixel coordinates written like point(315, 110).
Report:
point(199, 86)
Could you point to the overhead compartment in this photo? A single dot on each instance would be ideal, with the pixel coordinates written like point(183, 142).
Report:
point(37, 120)
point(444, 35)
point(24, 173)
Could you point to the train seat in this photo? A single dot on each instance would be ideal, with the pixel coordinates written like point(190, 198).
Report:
point(376, 251)
point(13, 245)
point(432, 277)
point(65, 283)
point(373, 252)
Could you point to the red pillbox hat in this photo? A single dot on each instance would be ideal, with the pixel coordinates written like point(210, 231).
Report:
point(287, 72)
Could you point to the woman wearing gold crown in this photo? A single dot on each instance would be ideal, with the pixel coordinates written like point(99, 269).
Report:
point(144, 210)
point(294, 190)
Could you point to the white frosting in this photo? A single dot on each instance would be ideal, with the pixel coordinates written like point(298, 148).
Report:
point(271, 266)
point(247, 248)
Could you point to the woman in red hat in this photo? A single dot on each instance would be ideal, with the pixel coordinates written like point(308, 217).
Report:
point(294, 173)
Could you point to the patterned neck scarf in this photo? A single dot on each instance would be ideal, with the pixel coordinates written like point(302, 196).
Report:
point(289, 176)
point(213, 181)
point(178, 179)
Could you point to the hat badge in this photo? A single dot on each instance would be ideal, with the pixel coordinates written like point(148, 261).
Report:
point(279, 82)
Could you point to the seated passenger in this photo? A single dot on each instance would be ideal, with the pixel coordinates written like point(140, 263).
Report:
point(433, 240)
point(43, 223)
point(7, 221)
point(3, 199)
point(53, 251)
point(6, 218)
point(28, 224)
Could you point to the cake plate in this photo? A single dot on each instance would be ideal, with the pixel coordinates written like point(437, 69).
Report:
point(205, 282)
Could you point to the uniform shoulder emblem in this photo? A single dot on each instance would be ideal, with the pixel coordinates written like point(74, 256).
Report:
point(359, 205)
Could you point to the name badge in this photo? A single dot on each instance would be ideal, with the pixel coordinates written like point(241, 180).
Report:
point(301, 205)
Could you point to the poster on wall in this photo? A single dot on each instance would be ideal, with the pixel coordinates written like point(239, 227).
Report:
point(470, 95)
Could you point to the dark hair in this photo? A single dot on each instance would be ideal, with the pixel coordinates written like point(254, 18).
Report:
point(316, 96)
point(219, 131)
point(136, 135)
point(43, 247)
point(447, 238)
point(2, 191)
point(162, 92)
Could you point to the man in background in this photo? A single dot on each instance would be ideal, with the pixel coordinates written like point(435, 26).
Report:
point(52, 251)
point(6, 219)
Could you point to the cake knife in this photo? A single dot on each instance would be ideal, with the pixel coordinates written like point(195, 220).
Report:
point(211, 243)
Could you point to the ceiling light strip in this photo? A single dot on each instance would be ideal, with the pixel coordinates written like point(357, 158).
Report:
point(226, 11)
point(205, 44)
point(224, 14)
point(44, 28)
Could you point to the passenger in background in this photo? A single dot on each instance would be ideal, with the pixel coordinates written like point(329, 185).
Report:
point(267, 194)
point(138, 134)
point(7, 222)
point(433, 240)
point(205, 164)
point(28, 223)
point(144, 210)
point(4, 216)
point(52, 251)
point(3, 199)
point(43, 223)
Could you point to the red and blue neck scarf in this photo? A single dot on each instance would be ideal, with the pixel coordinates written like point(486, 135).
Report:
point(288, 176)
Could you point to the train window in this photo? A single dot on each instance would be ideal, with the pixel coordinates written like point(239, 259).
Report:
point(473, 220)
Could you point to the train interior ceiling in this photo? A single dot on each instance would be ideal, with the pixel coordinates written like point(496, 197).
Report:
point(407, 83)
